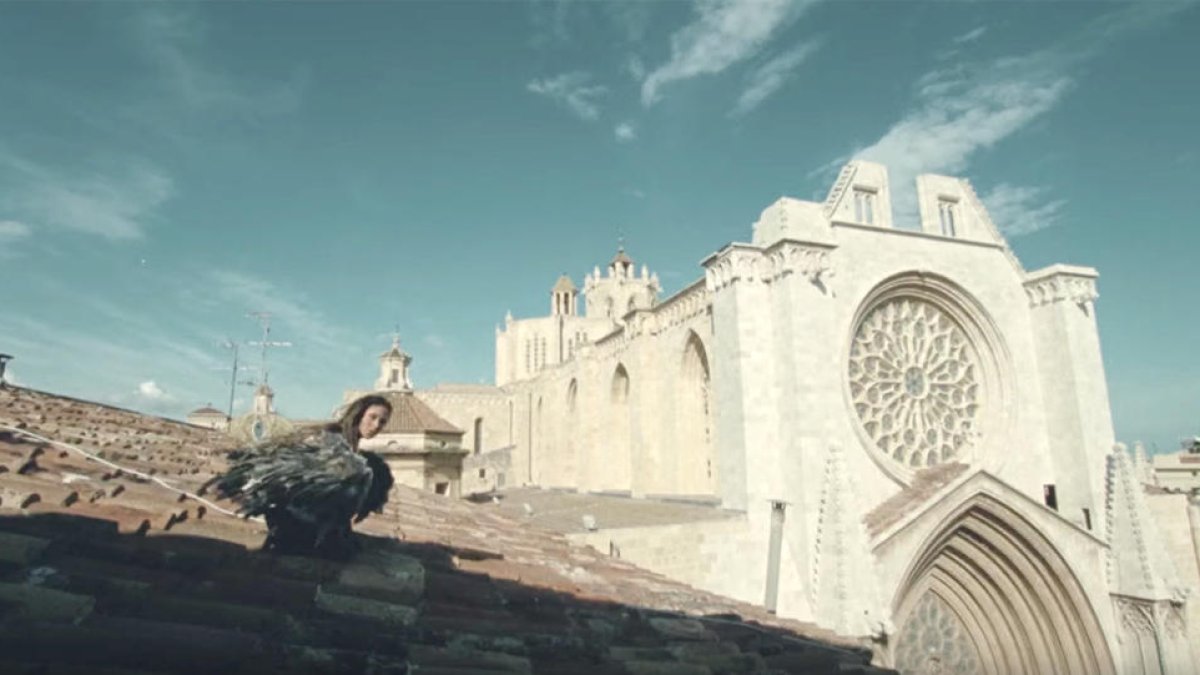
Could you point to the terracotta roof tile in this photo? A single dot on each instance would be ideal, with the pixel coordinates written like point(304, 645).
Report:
point(411, 415)
point(926, 483)
point(129, 577)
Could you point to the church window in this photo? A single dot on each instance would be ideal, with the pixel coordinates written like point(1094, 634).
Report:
point(528, 357)
point(478, 435)
point(947, 211)
point(441, 488)
point(1087, 518)
point(1050, 494)
point(395, 376)
point(864, 206)
point(915, 383)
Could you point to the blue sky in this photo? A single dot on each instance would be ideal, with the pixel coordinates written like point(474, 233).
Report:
point(357, 168)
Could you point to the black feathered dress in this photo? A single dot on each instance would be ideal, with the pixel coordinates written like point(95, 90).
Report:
point(308, 489)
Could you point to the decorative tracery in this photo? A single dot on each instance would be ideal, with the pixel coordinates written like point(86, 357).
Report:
point(915, 382)
point(934, 642)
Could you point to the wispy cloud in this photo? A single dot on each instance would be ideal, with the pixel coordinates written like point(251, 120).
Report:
point(174, 40)
point(289, 309)
point(723, 33)
point(970, 107)
point(12, 232)
point(767, 79)
point(970, 36)
point(573, 91)
point(625, 132)
point(1018, 210)
point(116, 200)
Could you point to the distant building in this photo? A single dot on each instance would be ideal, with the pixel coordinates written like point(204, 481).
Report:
point(262, 422)
point(908, 433)
point(422, 449)
point(1179, 471)
point(209, 418)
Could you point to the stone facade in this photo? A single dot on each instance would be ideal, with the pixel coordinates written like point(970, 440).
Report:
point(1179, 470)
point(828, 366)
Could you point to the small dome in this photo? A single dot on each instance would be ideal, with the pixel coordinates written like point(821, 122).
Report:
point(564, 285)
point(620, 258)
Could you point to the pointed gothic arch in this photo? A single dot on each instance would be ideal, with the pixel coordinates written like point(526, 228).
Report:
point(571, 430)
point(990, 594)
point(695, 469)
point(616, 462)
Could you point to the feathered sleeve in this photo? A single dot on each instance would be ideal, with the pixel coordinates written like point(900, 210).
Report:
point(381, 485)
point(318, 479)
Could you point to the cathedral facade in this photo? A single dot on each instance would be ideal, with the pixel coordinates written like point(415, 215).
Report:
point(912, 430)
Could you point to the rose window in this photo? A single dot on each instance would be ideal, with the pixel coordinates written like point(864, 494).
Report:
point(915, 383)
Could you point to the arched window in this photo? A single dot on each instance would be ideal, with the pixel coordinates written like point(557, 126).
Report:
point(696, 469)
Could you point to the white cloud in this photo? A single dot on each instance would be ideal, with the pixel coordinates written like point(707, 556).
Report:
point(970, 36)
point(116, 200)
point(723, 33)
point(961, 113)
point(625, 132)
point(573, 91)
point(634, 192)
point(770, 76)
point(150, 391)
point(1018, 210)
point(970, 107)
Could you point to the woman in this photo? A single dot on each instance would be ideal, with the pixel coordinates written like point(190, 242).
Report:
point(310, 484)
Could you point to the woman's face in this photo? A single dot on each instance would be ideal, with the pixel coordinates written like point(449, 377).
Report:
point(373, 420)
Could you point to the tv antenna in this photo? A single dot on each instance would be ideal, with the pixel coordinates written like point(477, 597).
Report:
point(234, 371)
point(264, 320)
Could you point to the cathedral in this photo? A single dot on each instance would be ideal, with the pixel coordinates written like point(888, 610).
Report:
point(907, 436)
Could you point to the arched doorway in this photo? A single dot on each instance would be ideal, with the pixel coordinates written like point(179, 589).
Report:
point(990, 594)
point(695, 467)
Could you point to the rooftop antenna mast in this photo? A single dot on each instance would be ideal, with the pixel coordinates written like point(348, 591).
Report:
point(264, 320)
point(233, 377)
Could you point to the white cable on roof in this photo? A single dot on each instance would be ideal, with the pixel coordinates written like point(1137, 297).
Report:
point(132, 472)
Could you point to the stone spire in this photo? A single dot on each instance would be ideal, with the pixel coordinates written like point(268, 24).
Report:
point(845, 593)
point(1138, 564)
point(393, 369)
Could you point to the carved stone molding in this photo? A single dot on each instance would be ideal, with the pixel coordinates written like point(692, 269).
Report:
point(1136, 617)
point(749, 264)
point(739, 263)
point(793, 257)
point(1078, 289)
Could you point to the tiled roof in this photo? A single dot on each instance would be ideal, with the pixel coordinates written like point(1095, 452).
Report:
point(926, 483)
point(101, 571)
point(411, 415)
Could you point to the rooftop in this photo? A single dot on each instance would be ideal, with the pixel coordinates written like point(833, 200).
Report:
point(103, 566)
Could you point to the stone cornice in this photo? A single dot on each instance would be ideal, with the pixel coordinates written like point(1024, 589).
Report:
point(749, 263)
point(1061, 283)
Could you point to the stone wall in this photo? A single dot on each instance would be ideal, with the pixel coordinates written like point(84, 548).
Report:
point(709, 555)
point(1179, 530)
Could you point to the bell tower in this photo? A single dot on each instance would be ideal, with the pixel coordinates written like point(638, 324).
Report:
point(393, 369)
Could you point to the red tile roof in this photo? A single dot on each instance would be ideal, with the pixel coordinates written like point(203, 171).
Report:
point(410, 415)
point(105, 571)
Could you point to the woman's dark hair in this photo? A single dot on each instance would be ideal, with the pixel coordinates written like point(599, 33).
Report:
point(347, 424)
